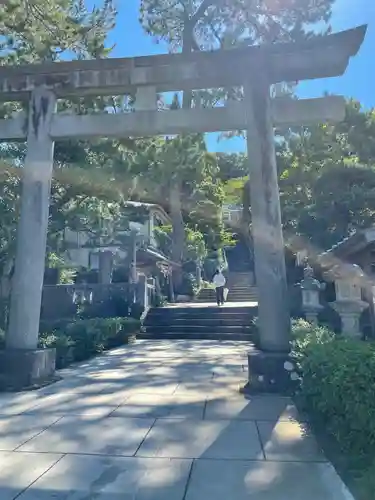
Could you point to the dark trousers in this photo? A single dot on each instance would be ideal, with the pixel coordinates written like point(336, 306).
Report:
point(220, 295)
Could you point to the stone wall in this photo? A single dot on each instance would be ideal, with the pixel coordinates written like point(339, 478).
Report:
point(57, 300)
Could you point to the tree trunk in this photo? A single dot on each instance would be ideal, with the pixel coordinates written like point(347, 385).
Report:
point(178, 231)
point(5, 289)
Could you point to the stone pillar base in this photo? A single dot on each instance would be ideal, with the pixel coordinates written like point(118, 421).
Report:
point(22, 369)
point(270, 372)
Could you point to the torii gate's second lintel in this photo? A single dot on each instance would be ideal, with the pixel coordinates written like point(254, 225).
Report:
point(254, 68)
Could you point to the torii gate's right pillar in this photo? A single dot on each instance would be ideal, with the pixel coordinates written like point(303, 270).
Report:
point(266, 366)
point(274, 319)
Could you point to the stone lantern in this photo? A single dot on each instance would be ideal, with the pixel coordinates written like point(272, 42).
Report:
point(348, 304)
point(311, 288)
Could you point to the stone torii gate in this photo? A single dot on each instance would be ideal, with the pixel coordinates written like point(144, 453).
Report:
point(254, 68)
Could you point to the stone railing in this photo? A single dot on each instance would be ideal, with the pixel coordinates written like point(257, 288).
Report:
point(60, 301)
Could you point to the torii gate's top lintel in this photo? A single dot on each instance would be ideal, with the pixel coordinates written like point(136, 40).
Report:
point(320, 57)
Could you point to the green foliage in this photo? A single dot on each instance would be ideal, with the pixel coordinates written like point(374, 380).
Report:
point(307, 336)
point(233, 190)
point(207, 25)
point(189, 285)
point(326, 178)
point(79, 340)
point(232, 165)
point(338, 385)
point(338, 391)
point(192, 25)
point(36, 30)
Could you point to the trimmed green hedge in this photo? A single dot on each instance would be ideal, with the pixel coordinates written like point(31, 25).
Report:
point(338, 391)
point(77, 340)
point(82, 339)
point(338, 378)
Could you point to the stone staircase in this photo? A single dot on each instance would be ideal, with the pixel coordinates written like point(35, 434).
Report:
point(203, 319)
point(199, 322)
point(240, 286)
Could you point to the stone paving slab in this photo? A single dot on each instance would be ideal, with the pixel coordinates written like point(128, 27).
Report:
point(144, 384)
point(161, 406)
point(100, 405)
point(215, 386)
point(19, 470)
point(92, 435)
point(289, 441)
point(231, 480)
point(269, 408)
point(188, 371)
point(243, 448)
point(17, 403)
point(202, 439)
point(16, 430)
point(103, 478)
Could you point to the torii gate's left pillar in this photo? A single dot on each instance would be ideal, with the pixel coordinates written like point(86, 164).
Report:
point(22, 363)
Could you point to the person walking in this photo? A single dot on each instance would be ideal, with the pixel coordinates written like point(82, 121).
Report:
point(219, 281)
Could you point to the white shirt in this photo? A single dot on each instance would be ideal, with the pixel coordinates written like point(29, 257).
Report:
point(219, 280)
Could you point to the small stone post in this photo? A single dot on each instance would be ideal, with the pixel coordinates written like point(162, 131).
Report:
point(105, 267)
point(23, 363)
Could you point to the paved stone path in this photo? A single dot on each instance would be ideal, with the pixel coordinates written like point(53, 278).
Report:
point(159, 421)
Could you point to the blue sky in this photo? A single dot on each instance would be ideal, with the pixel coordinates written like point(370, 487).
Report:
point(358, 82)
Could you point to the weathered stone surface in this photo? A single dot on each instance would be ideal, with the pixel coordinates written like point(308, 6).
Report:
point(147, 123)
point(289, 441)
point(107, 478)
point(16, 430)
point(316, 58)
point(17, 403)
point(161, 406)
point(27, 282)
point(141, 384)
point(202, 439)
point(220, 446)
point(269, 252)
point(267, 373)
point(269, 408)
point(105, 436)
point(19, 470)
point(77, 404)
point(23, 368)
point(223, 480)
point(228, 386)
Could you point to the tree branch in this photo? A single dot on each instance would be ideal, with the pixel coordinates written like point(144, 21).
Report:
point(201, 10)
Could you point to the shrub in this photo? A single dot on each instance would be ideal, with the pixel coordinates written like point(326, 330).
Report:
point(188, 286)
point(338, 384)
point(81, 339)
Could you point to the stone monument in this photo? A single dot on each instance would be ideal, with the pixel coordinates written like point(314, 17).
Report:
point(348, 304)
point(311, 288)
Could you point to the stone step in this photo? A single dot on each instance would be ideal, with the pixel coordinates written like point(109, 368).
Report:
point(247, 290)
point(195, 336)
point(247, 295)
point(195, 328)
point(232, 299)
point(233, 320)
point(195, 309)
